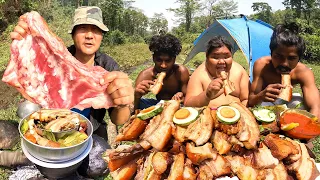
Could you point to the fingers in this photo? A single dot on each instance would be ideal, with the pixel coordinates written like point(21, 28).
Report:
point(118, 84)
point(20, 31)
point(111, 76)
point(123, 100)
point(123, 96)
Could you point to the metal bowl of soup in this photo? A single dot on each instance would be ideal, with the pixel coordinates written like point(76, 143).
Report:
point(56, 154)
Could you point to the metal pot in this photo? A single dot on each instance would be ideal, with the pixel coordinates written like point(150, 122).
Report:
point(55, 155)
point(26, 107)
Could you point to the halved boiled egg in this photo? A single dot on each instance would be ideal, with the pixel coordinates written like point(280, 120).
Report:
point(228, 114)
point(185, 116)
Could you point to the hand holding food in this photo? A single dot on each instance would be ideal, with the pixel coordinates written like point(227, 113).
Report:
point(213, 88)
point(271, 92)
point(143, 88)
point(21, 30)
point(178, 97)
point(156, 87)
point(120, 88)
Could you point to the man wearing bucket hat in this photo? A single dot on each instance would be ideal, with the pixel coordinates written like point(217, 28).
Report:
point(87, 32)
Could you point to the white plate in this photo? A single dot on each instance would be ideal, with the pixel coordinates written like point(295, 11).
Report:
point(59, 164)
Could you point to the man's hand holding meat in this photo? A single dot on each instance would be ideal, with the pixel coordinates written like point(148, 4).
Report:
point(178, 97)
point(271, 92)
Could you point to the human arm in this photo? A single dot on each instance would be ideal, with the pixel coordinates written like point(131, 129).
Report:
point(142, 86)
point(257, 94)
point(310, 92)
point(197, 96)
point(184, 79)
point(244, 88)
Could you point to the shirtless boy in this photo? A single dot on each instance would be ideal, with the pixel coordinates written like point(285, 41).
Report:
point(206, 86)
point(287, 48)
point(165, 48)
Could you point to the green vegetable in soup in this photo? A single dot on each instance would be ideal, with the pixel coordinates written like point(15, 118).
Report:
point(24, 126)
point(73, 139)
point(49, 135)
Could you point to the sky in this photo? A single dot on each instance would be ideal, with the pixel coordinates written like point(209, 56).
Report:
point(149, 7)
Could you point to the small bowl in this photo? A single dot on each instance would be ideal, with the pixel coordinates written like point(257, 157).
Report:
point(63, 154)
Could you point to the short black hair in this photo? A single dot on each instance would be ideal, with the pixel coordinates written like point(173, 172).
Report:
point(165, 43)
point(287, 34)
point(218, 42)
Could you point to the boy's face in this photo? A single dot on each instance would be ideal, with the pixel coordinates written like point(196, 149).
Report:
point(285, 58)
point(219, 59)
point(163, 62)
point(87, 38)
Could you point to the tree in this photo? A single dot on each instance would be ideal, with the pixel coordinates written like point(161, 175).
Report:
point(208, 4)
point(264, 11)
point(158, 23)
point(186, 11)
point(225, 8)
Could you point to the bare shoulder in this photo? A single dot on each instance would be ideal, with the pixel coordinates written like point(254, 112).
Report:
point(145, 74)
point(182, 69)
point(262, 62)
point(302, 72)
point(199, 72)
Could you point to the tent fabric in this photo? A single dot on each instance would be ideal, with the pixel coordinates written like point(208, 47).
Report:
point(251, 37)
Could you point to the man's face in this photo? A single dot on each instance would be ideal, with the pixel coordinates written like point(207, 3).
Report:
point(163, 62)
point(285, 58)
point(219, 59)
point(87, 38)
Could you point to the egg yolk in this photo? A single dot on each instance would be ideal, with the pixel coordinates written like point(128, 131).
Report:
point(182, 114)
point(148, 109)
point(227, 112)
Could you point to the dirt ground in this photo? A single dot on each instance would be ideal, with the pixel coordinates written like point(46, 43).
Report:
point(7, 94)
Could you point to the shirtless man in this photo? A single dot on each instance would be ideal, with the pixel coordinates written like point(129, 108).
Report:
point(206, 86)
point(165, 48)
point(287, 48)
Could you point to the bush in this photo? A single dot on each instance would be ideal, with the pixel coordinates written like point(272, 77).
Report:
point(135, 39)
point(115, 38)
point(312, 53)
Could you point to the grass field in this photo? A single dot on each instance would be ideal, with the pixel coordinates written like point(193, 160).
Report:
point(133, 58)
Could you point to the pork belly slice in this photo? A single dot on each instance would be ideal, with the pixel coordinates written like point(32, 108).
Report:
point(263, 159)
point(280, 148)
point(146, 170)
point(43, 70)
point(161, 161)
point(189, 171)
point(132, 129)
point(122, 155)
point(126, 171)
point(214, 168)
point(158, 133)
point(178, 133)
point(176, 171)
point(305, 168)
point(221, 142)
point(200, 153)
point(249, 133)
point(200, 131)
point(242, 168)
point(229, 129)
point(277, 173)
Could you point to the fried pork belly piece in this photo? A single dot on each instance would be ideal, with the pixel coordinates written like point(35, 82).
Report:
point(158, 133)
point(125, 172)
point(189, 171)
point(249, 133)
point(146, 170)
point(176, 171)
point(200, 153)
point(221, 142)
point(161, 161)
point(131, 130)
point(280, 148)
point(229, 129)
point(293, 157)
point(271, 127)
point(305, 168)
point(47, 115)
point(242, 168)
point(263, 159)
point(213, 168)
point(200, 131)
point(122, 155)
point(277, 173)
point(178, 133)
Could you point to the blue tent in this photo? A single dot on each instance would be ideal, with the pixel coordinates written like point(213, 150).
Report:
point(252, 37)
